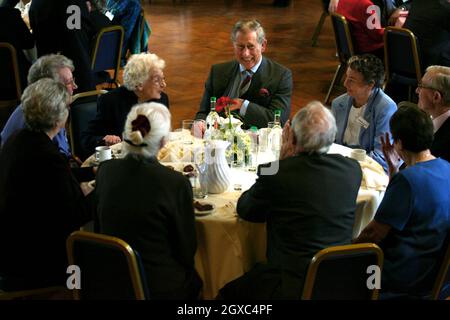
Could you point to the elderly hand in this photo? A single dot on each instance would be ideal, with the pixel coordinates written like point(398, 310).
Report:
point(198, 128)
point(110, 140)
point(394, 16)
point(393, 160)
point(333, 6)
point(287, 142)
point(237, 104)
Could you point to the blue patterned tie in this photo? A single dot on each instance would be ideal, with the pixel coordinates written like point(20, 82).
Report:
point(246, 83)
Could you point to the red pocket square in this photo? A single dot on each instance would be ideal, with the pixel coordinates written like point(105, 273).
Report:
point(264, 92)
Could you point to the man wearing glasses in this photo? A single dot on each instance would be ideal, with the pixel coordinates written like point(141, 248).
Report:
point(434, 98)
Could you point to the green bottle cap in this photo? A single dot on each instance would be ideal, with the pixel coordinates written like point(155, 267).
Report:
point(278, 112)
point(213, 99)
point(253, 128)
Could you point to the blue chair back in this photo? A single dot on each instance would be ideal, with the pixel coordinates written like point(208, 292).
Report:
point(107, 51)
point(401, 56)
point(340, 273)
point(82, 110)
point(342, 36)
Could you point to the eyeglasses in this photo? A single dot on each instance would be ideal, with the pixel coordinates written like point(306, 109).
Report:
point(159, 80)
point(420, 85)
point(71, 82)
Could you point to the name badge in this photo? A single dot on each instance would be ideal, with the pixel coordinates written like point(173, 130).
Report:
point(362, 122)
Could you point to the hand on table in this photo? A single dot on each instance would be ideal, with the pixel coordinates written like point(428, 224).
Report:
point(237, 104)
point(111, 140)
point(198, 128)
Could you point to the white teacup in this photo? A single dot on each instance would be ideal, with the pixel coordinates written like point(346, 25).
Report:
point(358, 154)
point(102, 153)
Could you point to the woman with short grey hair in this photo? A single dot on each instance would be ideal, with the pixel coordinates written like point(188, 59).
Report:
point(45, 106)
point(150, 206)
point(144, 81)
point(362, 114)
point(40, 201)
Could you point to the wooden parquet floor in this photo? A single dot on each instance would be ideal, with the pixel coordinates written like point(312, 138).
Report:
point(192, 35)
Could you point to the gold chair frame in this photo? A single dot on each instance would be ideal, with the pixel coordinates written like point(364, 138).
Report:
point(70, 125)
point(415, 53)
point(442, 274)
point(118, 244)
point(16, 75)
point(119, 56)
point(341, 68)
point(335, 251)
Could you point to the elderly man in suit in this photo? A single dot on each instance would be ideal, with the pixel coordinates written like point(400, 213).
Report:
point(258, 85)
point(301, 218)
point(434, 98)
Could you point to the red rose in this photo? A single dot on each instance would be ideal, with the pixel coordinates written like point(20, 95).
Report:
point(222, 103)
point(264, 92)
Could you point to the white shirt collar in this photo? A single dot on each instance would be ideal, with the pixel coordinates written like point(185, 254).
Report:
point(438, 121)
point(254, 69)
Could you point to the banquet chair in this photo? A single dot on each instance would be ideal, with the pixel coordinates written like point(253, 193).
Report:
point(344, 46)
point(107, 53)
point(82, 110)
point(319, 26)
point(341, 273)
point(442, 282)
point(402, 59)
point(110, 268)
point(10, 88)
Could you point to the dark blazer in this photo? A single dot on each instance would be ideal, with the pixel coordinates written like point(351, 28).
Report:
point(41, 203)
point(309, 204)
point(112, 110)
point(275, 78)
point(441, 142)
point(150, 207)
point(14, 31)
point(49, 19)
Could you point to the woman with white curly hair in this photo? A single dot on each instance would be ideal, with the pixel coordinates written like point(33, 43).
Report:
point(150, 206)
point(144, 81)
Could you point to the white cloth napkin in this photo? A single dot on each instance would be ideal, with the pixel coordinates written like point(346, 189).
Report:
point(374, 177)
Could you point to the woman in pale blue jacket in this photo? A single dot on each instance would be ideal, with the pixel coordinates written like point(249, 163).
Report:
point(363, 113)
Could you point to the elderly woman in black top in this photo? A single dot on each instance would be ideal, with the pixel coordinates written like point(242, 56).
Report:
point(144, 81)
point(40, 201)
point(150, 206)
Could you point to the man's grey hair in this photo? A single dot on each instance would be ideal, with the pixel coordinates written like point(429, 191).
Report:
point(159, 119)
point(314, 128)
point(137, 70)
point(440, 80)
point(246, 26)
point(45, 104)
point(48, 66)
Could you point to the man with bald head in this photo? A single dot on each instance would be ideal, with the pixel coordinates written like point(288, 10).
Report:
point(308, 203)
point(434, 98)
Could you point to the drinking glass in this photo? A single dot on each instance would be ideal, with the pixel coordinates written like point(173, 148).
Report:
point(186, 127)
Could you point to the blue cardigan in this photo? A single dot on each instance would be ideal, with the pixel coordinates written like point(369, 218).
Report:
point(380, 108)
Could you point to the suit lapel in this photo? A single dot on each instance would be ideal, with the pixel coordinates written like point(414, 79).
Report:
point(225, 83)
